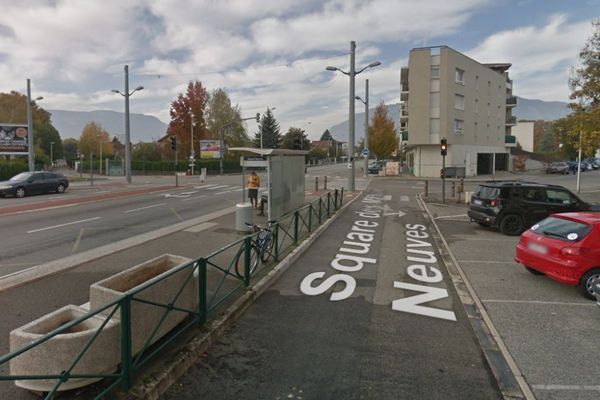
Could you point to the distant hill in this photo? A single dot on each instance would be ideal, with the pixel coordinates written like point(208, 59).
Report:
point(143, 127)
point(529, 109)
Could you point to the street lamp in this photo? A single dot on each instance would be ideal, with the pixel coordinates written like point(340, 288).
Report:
point(222, 129)
point(192, 141)
point(352, 74)
point(127, 136)
point(30, 126)
point(262, 128)
point(366, 103)
point(51, 155)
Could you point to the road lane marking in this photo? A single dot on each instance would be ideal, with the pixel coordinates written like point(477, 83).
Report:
point(103, 191)
point(404, 198)
point(61, 225)
point(176, 214)
point(201, 227)
point(486, 262)
point(451, 216)
point(205, 186)
point(226, 191)
point(567, 387)
point(145, 208)
point(553, 303)
point(194, 198)
point(218, 187)
point(76, 244)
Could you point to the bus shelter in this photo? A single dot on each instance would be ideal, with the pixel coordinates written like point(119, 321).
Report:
point(285, 177)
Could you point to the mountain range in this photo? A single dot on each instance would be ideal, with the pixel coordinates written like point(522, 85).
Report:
point(143, 127)
point(526, 109)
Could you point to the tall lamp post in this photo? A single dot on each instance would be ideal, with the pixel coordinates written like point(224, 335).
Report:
point(192, 141)
point(51, 155)
point(352, 74)
point(366, 103)
point(126, 95)
point(262, 128)
point(30, 126)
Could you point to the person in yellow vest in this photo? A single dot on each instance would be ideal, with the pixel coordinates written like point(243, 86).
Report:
point(253, 185)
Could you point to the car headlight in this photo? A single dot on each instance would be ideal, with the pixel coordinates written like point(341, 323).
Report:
point(3, 187)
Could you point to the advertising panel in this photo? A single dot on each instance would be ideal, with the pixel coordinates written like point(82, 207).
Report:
point(210, 149)
point(392, 168)
point(13, 139)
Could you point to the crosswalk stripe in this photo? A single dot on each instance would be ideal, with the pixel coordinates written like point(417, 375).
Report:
point(218, 187)
point(205, 186)
point(404, 198)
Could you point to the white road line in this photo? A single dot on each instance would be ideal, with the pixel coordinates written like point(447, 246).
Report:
point(145, 208)
point(486, 262)
point(205, 186)
point(194, 198)
point(218, 187)
point(189, 193)
point(567, 387)
point(103, 191)
point(238, 190)
point(226, 191)
point(554, 303)
point(404, 198)
point(451, 216)
point(61, 225)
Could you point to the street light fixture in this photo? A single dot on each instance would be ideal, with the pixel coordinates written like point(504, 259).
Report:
point(126, 95)
point(352, 74)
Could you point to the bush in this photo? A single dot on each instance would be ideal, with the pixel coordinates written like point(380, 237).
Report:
point(10, 168)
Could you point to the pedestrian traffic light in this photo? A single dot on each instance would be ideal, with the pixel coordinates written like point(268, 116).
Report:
point(443, 147)
point(174, 142)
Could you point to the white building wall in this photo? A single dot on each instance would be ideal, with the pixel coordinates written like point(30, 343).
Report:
point(523, 131)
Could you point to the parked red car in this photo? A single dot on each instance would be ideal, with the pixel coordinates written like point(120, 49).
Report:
point(564, 247)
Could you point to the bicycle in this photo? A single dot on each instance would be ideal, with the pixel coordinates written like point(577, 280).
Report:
point(261, 250)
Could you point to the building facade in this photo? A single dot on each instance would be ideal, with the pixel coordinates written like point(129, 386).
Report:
point(445, 94)
point(524, 134)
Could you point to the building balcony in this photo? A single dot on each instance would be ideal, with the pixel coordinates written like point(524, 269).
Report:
point(404, 136)
point(510, 141)
point(511, 121)
point(511, 101)
point(404, 96)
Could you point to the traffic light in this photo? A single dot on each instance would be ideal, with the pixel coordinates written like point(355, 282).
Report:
point(257, 118)
point(174, 142)
point(442, 173)
point(443, 147)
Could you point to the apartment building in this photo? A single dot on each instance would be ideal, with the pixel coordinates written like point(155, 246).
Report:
point(447, 94)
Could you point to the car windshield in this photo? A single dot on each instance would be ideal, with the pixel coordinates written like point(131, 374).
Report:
point(21, 176)
point(564, 229)
point(486, 192)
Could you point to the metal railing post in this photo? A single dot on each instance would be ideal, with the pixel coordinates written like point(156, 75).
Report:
point(426, 188)
point(247, 248)
point(325, 183)
point(310, 213)
point(453, 188)
point(296, 214)
point(341, 197)
point(328, 204)
point(276, 240)
point(320, 209)
point(202, 297)
point(316, 183)
point(126, 361)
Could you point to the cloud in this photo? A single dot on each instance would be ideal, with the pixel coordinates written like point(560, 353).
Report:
point(540, 55)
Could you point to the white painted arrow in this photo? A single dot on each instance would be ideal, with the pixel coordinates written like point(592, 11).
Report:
point(400, 214)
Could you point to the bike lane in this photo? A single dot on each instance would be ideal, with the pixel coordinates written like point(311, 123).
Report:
point(367, 312)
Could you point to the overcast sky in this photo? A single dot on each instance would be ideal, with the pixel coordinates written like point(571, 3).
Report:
point(273, 53)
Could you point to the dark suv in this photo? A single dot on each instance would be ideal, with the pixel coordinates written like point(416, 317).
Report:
point(515, 206)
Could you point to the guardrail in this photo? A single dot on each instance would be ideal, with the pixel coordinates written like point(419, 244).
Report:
point(216, 268)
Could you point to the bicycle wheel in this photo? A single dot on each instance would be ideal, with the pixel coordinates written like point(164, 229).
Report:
point(267, 247)
point(239, 262)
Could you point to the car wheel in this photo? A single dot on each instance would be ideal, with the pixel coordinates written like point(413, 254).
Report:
point(60, 188)
point(20, 192)
point(512, 225)
point(533, 271)
point(585, 284)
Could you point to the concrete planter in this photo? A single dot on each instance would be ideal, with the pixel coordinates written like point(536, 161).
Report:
point(145, 317)
point(57, 354)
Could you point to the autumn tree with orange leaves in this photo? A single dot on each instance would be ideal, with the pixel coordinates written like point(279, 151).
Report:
point(187, 109)
point(382, 133)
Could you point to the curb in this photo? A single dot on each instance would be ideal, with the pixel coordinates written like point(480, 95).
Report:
point(509, 378)
point(180, 362)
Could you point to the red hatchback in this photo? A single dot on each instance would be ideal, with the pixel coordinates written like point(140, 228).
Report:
point(564, 247)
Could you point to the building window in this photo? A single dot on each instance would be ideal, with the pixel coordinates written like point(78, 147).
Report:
point(459, 101)
point(476, 82)
point(459, 76)
point(458, 126)
point(475, 130)
point(488, 110)
point(435, 72)
point(476, 106)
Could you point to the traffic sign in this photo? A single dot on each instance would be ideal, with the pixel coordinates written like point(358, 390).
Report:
point(365, 152)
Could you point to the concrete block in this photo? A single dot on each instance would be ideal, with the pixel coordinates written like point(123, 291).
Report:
point(56, 354)
point(145, 317)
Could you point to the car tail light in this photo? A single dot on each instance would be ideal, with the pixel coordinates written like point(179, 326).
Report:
point(572, 251)
point(494, 203)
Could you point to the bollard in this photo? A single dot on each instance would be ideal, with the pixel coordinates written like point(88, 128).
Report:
point(426, 188)
point(453, 189)
point(316, 183)
point(462, 185)
point(325, 183)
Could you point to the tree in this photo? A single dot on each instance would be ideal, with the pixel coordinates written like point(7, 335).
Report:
point(186, 109)
point(296, 139)
point(382, 133)
point(326, 135)
point(146, 152)
point(70, 147)
point(268, 128)
point(221, 115)
point(584, 121)
point(93, 137)
point(47, 139)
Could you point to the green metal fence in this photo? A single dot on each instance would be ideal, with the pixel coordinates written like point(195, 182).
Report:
point(216, 278)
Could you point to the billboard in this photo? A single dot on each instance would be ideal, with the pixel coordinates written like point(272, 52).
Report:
point(210, 149)
point(13, 139)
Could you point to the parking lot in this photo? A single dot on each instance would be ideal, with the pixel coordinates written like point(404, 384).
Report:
point(549, 329)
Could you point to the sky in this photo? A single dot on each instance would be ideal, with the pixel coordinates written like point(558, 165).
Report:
point(273, 53)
